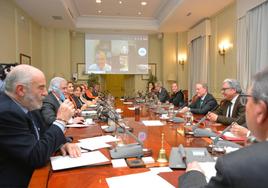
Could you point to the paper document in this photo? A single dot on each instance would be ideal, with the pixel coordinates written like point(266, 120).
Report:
point(148, 160)
point(105, 139)
point(76, 125)
point(118, 163)
point(152, 123)
point(157, 170)
point(208, 169)
point(127, 102)
point(65, 162)
point(140, 180)
point(93, 145)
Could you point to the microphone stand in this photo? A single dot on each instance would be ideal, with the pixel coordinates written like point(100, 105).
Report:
point(125, 151)
point(129, 150)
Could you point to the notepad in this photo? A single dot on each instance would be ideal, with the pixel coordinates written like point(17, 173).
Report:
point(66, 162)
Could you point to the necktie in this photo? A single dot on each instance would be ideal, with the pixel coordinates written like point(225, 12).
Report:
point(34, 125)
point(201, 102)
point(229, 110)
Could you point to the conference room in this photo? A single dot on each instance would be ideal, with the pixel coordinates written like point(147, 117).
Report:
point(122, 46)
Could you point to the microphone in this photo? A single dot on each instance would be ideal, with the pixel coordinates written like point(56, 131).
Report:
point(198, 132)
point(217, 144)
point(129, 150)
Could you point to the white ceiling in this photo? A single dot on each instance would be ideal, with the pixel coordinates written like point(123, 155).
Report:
point(156, 16)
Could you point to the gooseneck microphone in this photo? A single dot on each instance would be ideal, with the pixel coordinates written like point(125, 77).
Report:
point(198, 132)
point(224, 143)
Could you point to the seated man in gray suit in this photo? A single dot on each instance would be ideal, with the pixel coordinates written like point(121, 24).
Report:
point(204, 103)
point(247, 167)
point(230, 110)
point(57, 93)
point(161, 92)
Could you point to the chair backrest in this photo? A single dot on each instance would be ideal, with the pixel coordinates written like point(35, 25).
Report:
point(185, 95)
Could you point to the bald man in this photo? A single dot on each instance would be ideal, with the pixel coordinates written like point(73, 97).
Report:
point(25, 142)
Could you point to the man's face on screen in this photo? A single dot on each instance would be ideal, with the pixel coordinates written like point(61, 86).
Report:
point(101, 59)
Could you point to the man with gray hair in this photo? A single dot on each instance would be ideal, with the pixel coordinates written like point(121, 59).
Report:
point(161, 92)
point(57, 93)
point(230, 110)
point(25, 142)
point(246, 167)
point(204, 102)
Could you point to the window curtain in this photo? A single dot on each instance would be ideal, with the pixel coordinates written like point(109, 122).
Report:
point(252, 42)
point(198, 62)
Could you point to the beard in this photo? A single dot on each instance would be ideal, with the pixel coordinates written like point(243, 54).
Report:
point(33, 102)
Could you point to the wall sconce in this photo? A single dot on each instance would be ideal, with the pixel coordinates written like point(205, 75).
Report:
point(223, 47)
point(182, 60)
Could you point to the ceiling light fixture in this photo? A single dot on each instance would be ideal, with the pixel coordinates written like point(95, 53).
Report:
point(99, 11)
point(139, 13)
point(120, 2)
point(98, 1)
point(143, 3)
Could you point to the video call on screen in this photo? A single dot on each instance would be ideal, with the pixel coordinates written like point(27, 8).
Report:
point(116, 54)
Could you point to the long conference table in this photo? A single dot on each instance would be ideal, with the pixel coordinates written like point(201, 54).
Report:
point(94, 176)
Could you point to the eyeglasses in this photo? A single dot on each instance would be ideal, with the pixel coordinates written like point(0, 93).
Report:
point(224, 89)
point(244, 99)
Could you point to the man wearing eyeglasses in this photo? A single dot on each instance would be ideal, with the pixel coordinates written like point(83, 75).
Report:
point(231, 109)
point(246, 167)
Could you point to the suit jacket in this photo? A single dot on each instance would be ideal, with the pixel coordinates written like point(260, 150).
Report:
point(238, 114)
point(163, 96)
point(209, 103)
point(50, 108)
point(245, 168)
point(177, 99)
point(21, 151)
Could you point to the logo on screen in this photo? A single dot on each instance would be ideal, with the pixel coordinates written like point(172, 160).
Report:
point(142, 51)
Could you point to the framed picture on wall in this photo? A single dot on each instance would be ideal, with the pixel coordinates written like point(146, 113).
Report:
point(25, 59)
point(151, 71)
point(81, 69)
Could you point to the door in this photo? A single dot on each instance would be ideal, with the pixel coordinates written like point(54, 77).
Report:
point(115, 84)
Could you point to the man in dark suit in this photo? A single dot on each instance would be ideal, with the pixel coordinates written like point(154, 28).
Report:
point(177, 97)
point(24, 142)
point(247, 167)
point(161, 92)
point(230, 110)
point(204, 103)
point(57, 93)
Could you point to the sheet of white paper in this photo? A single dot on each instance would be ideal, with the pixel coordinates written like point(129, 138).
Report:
point(127, 102)
point(152, 123)
point(157, 170)
point(118, 163)
point(77, 125)
point(230, 149)
point(148, 160)
point(88, 112)
point(131, 108)
point(105, 139)
point(93, 145)
point(209, 169)
point(65, 162)
point(104, 126)
point(140, 180)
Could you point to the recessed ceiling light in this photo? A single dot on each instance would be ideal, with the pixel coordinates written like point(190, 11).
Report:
point(139, 13)
point(99, 11)
point(98, 1)
point(120, 2)
point(143, 3)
